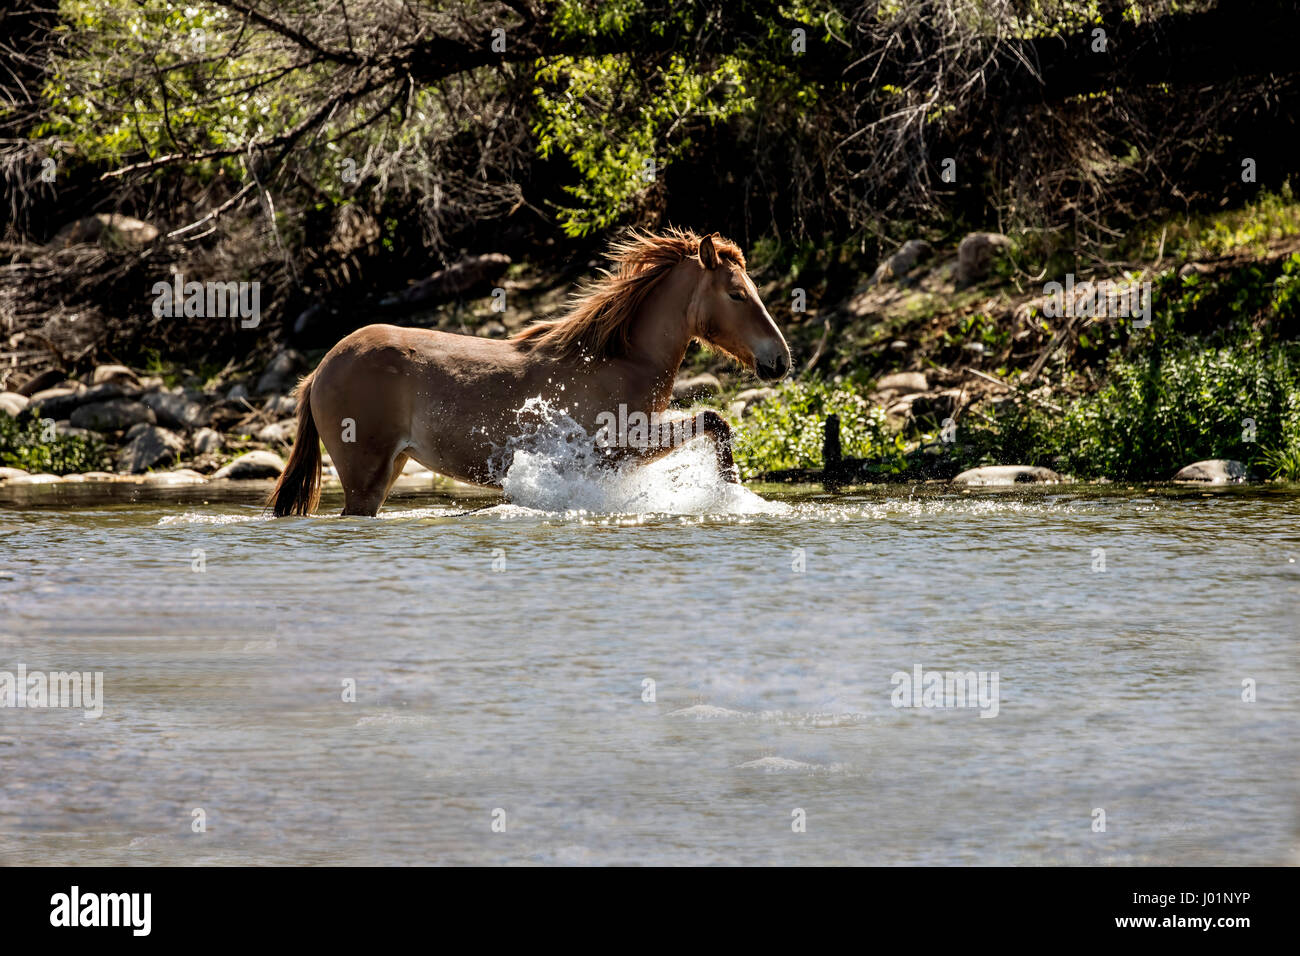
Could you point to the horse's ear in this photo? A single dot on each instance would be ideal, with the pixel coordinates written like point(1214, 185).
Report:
point(708, 254)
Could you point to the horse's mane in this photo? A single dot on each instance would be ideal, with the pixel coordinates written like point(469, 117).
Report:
point(598, 323)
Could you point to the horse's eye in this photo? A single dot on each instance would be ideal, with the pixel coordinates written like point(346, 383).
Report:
point(737, 296)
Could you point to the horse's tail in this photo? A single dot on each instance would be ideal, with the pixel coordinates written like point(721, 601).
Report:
point(298, 490)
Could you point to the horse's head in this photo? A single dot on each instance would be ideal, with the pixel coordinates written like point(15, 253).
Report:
point(727, 314)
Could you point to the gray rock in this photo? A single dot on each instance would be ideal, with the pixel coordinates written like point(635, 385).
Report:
point(113, 415)
point(282, 432)
point(178, 476)
point(696, 387)
point(903, 261)
point(39, 383)
point(115, 374)
point(1216, 471)
point(1007, 475)
point(108, 229)
point(254, 464)
point(975, 255)
point(280, 372)
point(281, 406)
point(176, 411)
point(11, 403)
point(56, 402)
point(146, 446)
point(236, 393)
point(206, 440)
point(903, 383)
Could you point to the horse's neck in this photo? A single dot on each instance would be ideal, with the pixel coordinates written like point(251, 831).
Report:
point(661, 332)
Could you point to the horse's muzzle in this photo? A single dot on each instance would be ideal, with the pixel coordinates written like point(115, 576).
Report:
point(773, 369)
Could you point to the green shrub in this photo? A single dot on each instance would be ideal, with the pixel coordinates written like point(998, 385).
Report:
point(1164, 408)
point(21, 446)
point(786, 431)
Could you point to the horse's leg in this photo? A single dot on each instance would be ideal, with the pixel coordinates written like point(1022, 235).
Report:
point(674, 434)
point(367, 479)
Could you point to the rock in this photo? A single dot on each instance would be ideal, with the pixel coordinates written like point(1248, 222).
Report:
point(112, 416)
point(282, 432)
point(1216, 471)
point(281, 406)
point(39, 383)
point(903, 383)
point(117, 374)
point(1007, 475)
point(179, 476)
point(176, 410)
point(56, 402)
point(236, 393)
point(254, 464)
point(750, 397)
point(41, 479)
point(206, 440)
point(975, 255)
point(66, 429)
point(11, 403)
point(148, 445)
point(59, 403)
point(108, 229)
point(7, 474)
point(899, 345)
point(492, 330)
point(904, 259)
point(99, 476)
point(696, 387)
point(279, 372)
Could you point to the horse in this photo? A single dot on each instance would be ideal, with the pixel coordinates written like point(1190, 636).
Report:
point(387, 393)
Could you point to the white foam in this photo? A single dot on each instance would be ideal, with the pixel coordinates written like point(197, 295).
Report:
point(552, 467)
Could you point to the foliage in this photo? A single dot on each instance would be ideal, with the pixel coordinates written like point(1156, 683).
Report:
point(787, 430)
point(21, 446)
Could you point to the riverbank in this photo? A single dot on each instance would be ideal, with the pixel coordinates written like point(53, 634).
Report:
point(939, 360)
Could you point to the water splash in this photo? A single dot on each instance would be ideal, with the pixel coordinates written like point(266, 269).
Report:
point(553, 465)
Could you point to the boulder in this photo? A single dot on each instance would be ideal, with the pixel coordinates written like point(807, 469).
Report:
point(7, 474)
point(280, 372)
point(281, 406)
point(1007, 475)
point(903, 383)
point(146, 446)
point(282, 432)
point(56, 402)
point(254, 464)
point(39, 383)
point(108, 229)
point(11, 403)
point(1216, 471)
point(116, 374)
point(178, 476)
point(175, 410)
point(696, 387)
point(113, 415)
point(237, 392)
point(975, 255)
point(206, 440)
point(903, 261)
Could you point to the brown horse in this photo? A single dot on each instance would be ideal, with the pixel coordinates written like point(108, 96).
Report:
point(385, 393)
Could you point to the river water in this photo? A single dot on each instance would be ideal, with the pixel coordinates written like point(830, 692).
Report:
point(501, 662)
